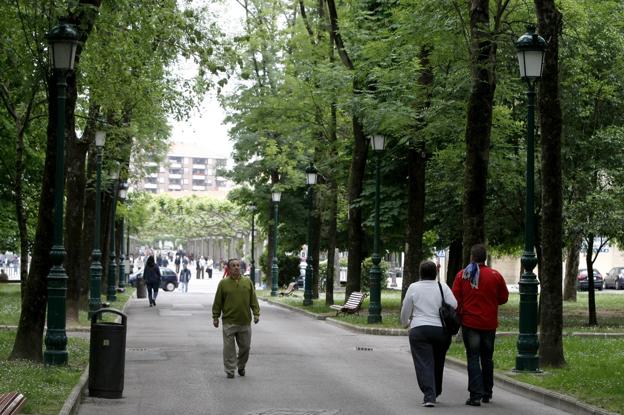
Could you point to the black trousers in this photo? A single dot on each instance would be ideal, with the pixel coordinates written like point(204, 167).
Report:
point(429, 345)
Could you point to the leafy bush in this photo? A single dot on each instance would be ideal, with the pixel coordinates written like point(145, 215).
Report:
point(288, 269)
point(366, 266)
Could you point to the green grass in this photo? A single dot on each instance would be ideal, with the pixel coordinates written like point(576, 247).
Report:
point(608, 308)
point(10, 304)
point(594, 372)
point(46, 388)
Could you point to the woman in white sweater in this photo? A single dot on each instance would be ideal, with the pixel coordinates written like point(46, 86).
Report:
point(428, 342)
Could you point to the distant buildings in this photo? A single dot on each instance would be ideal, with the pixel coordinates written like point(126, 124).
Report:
point(186, 170)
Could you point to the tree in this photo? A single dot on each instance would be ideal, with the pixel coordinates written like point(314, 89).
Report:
point(551, 305)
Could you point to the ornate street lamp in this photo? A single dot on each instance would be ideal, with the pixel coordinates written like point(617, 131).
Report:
point(63, 40)
point(378, 143)
point(275, 197)
point(311, 176)
point(123, 194)
point(95, 302)
point(531, 48)
point(112, 267)
point(252, 262)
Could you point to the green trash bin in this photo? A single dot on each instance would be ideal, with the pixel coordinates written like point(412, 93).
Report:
point(107, 356)
point(141, 291)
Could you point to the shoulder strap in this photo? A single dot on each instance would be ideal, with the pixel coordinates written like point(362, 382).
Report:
point(441, 292)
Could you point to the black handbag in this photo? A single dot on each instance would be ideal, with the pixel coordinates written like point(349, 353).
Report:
point(449, 317)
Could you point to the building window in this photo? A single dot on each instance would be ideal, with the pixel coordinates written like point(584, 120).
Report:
point(175, 181)
point(198, 182)
point(199, 160)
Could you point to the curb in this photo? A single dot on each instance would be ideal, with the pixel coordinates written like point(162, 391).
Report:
point(72, 403)
point(547, 397)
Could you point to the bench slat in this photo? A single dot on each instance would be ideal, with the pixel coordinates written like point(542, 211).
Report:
point(11, 403)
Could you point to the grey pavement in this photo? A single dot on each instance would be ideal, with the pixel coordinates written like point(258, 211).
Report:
point(297, 366)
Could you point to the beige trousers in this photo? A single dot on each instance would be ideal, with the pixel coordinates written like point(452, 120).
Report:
point(235, 335)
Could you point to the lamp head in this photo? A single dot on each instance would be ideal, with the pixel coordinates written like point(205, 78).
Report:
point(63, 40)
point(100, 138)
point(531, 49)
point(378, 142)
point(276, 196)
point(311, 174)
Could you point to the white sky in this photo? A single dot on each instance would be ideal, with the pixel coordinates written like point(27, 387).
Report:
point(205, 129)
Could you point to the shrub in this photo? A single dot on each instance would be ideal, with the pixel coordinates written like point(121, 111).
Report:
point(366, 265)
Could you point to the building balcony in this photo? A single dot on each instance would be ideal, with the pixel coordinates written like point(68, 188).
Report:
point(174, 165)
point(199, 166)
point(175, 176)
point(199, 187)
point(199, 176)
point(175, 187)
point(150, 186)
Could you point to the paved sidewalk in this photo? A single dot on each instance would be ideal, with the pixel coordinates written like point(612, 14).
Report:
point(298, 366)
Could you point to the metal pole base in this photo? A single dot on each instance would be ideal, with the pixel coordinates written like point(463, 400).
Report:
point(527, 364)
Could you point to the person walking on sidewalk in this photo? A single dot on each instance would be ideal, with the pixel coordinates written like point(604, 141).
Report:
point(185, 277)
point(151, 274)
point(234, 302)
point(479, 291)
point(428, 341)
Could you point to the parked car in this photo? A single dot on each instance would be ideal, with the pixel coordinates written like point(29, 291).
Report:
point(615, 278)
point(582, 283)
point(168, 279)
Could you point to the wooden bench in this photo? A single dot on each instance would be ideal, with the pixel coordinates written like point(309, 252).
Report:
point(11, 403)
point(353, 304)
point(289, 290)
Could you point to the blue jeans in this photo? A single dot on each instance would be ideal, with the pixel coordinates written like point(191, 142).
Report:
point(429, 345)
point(479, 346)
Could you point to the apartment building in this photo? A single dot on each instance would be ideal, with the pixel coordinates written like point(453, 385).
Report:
point(186, 170)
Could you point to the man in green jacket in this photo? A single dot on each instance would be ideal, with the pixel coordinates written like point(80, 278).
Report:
point(234, 302)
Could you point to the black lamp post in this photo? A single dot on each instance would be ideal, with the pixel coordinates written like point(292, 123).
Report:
point(275, 197)
point(252, 263)
point(123, 193)
point(63, 40)
point(112, 267)
point(95, 302)
point(531, 48)
point(311, 176)
point(378, 143)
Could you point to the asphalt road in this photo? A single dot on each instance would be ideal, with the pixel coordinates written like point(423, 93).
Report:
point(297, 366)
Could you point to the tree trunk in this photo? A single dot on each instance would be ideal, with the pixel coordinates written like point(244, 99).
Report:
point(478, 126)
point(571, 270)
point(417, 163)
point(29, 337)
point(316, 247)
point(549, 105)
point(76, 184)
point(591, 291)
point(416, 169)
point(331, 240)
point(454, 264)
point(89, 221)
point(355, 231)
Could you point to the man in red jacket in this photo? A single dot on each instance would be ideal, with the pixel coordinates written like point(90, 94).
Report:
point(479, 291)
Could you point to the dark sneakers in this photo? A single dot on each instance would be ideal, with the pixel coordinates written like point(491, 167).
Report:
point(241, 372)
point(230, 375)
point(486, 399)
point(473, 402)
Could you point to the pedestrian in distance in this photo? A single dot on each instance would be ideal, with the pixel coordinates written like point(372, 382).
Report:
point(197, 269)
point(177, 264)
point(428, 340)
point(479, 291)
point(185, 277)
point(226, 271)
point(202, 266)
point(151, 274)
point(209, 265)
point(234, 303)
